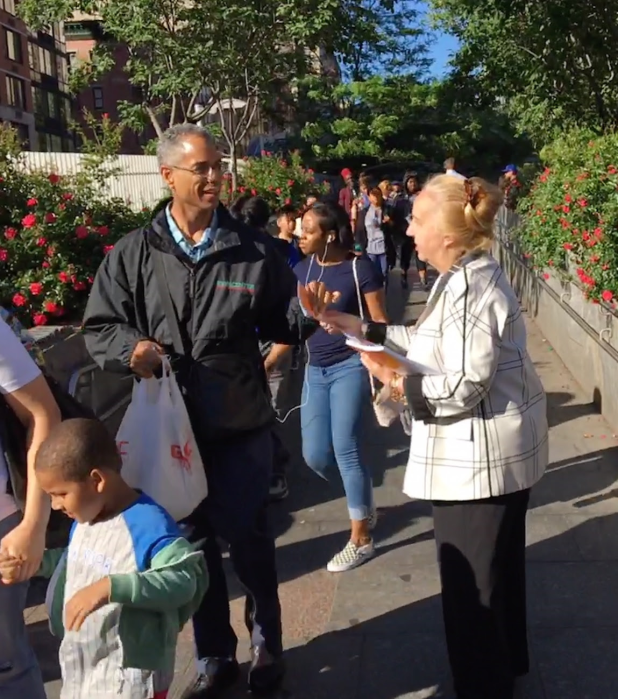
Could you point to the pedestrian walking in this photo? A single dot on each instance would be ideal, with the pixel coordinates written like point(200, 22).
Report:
point(336, 388)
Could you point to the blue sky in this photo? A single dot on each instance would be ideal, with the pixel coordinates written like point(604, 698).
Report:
point(441, 50)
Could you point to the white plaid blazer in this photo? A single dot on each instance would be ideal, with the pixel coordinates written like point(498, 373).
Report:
point(479, 427)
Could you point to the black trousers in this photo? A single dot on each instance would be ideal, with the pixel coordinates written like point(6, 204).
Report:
point(481, 553)
point(235, 510)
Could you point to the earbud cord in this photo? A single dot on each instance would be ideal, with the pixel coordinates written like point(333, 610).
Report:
point(305, 388)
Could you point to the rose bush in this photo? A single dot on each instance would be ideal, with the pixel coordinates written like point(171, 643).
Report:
point(280, 181)
point(54, 233)
point(570, 216)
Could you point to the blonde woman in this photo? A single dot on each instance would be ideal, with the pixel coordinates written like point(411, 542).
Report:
point(479, 430)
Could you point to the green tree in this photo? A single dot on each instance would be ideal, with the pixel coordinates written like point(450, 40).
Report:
point(191, 59)
point(550, 63)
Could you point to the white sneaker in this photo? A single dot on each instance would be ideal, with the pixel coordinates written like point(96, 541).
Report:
point(351, 557)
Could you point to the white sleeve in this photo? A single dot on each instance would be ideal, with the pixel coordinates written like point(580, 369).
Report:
point(17, 368)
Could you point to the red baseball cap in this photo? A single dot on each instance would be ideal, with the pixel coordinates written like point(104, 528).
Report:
point(346, 173)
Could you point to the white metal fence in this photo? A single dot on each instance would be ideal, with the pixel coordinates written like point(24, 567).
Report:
point(138, 180)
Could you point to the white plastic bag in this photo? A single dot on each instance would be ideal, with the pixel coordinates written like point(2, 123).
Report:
point(158, 448)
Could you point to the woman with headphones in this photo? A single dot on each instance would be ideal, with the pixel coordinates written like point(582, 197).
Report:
point(336, 386)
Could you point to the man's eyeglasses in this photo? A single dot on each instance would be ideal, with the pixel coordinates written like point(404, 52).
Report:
point(204, 171)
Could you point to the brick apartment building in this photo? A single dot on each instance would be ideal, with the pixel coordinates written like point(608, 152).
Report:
point(34, 96)
point(82, 33)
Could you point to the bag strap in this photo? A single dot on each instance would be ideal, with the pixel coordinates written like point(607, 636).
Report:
point(361, 312)
point(179, 345)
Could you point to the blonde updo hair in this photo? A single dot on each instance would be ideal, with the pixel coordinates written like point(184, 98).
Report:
point(466, 209)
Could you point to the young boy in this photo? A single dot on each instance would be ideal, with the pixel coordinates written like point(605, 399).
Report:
point(128, 581)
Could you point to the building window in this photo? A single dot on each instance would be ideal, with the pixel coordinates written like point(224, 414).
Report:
point(22, 133)
point(97, 97)
point(13, 46)
point(16, 92)
point(8, 6)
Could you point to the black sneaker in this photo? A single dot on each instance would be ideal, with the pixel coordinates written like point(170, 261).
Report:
point(278, 488)
point(220, 675)
point(266, 671)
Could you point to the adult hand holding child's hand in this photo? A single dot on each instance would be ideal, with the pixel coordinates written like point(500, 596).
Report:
point(10, 569)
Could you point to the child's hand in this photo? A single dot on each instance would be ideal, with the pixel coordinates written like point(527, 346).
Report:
point(10, 569)
point(86, 601)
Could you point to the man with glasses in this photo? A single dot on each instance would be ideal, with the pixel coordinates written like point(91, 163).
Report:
point(194, 285)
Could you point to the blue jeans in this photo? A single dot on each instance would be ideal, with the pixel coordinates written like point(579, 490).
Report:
point(332, 406)
point(20, 677)
point(381, 263)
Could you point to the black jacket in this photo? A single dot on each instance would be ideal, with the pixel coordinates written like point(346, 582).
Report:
point(243, 284)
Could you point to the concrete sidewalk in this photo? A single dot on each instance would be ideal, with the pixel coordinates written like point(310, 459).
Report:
point(376, 632)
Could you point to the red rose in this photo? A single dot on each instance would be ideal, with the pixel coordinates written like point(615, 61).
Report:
point(546, 276)
point(36, 288)
point(51, 251)
point(277, 191)
point(45, 265)
point(28, 221)
point(4, 255)
point(81, 232)
point(607, 295)
point(10, 233)
point(290, 183)
point(32, 202)
point(567, 246)
point(67, 196)
point(54, 178)
point(105, 115)
point(568, 199)
point(19, 300)
point(41, 242)
point(583, 203)
point(79, 286)
point(566, 209)
point(107, 249)
point(39, 319)
point(241, 190)
point(90, 280)
point(61, 207)
point(50, 307)
point(102, 230)
point(64, 277)
point(288, 201)
point(254, 192)
point(50, 217)
point(612, 170)
point(598, 232)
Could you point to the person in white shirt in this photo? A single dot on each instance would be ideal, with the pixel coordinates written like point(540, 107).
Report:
point(479, 434)
point(449, 169)
point(24, 391)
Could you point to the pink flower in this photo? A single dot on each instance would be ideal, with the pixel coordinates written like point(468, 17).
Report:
point(10, 233)
point(39, 319)
point(4, 255)
point(79, 286)
point(41, 242)
point(50, 307)
point(107, 249)
point(64, 277)
point(28, 221)
point(105, 115)
point(277, 191)
point(567, 246)
point(54, 178)
point(290, 183)
point(45, 265)
point(36, 288)
point(102, 230)
point(546, 276)
point(67, 196)
point(32, 202)
point(51, 250)
point(81, 232)
point(50, 217)
point(254, 192)
point(607, 295)
point(19, 300)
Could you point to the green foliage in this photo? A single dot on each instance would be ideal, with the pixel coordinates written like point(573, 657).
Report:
point(551, 63)
point(280, 182)
point(54, 233)
point(401, 118)
point(571, 213)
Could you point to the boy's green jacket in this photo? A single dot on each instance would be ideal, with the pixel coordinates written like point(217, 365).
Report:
point(156, 603)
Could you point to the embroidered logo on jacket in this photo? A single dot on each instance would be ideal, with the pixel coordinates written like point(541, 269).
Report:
point(236, 286)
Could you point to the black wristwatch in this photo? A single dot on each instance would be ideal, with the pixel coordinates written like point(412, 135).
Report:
point(374, 332)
